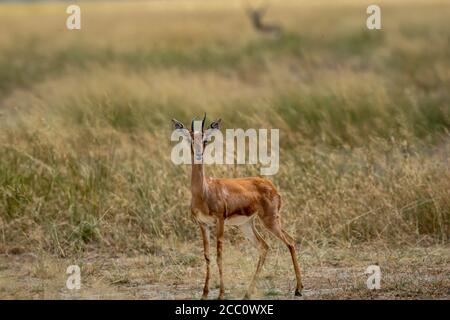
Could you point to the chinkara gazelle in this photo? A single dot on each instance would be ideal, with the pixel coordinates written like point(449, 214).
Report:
point(219, 202)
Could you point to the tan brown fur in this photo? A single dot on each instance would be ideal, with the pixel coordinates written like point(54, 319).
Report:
point(217, 202)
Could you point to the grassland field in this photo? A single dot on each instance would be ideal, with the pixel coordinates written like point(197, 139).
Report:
point(85, 170)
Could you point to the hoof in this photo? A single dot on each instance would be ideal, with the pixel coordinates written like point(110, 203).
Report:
point(298, 293)
point(247, 296)
point(204, 298)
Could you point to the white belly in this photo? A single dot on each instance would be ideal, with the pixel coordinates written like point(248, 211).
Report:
point(206, 219)
point(237, 220)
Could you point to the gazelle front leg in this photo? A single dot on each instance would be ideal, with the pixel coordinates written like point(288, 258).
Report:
point(205, 236)
point(220, 231)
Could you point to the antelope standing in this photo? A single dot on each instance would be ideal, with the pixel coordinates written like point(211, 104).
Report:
point(219, 202)
point(256, 17)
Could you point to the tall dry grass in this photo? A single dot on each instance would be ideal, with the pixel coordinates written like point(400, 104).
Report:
point(85, 119)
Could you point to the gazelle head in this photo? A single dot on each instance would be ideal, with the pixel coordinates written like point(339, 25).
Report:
point(256, 13)
point(197, 136)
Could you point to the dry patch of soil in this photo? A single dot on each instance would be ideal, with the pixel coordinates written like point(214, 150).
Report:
point(177, 273)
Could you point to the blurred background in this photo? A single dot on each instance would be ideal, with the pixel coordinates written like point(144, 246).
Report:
point(364, 118)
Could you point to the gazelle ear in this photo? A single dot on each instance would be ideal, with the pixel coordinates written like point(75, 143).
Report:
point(215, 124)
point(179, 127)
point(177, 124)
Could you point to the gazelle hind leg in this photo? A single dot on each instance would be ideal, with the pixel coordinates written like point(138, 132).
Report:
point(273, 224)
point(252, 234)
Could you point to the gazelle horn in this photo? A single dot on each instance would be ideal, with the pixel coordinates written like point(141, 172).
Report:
point(203, 121)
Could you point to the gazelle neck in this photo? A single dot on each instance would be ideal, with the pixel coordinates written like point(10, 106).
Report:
point(198, 183)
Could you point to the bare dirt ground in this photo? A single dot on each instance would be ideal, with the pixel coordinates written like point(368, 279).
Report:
point(177, 273)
